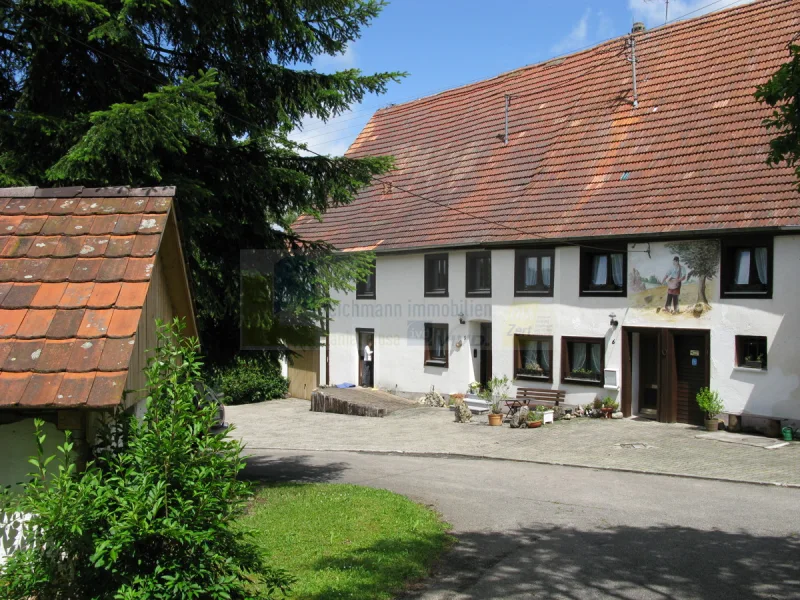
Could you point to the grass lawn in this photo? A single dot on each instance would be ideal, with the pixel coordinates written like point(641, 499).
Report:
point(345, 541)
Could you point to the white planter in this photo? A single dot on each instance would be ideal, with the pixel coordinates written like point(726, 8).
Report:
point(476, 405)
point(548, 416)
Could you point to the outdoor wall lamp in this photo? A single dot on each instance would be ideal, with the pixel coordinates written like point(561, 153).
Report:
point(461, 319)
point(614, 322)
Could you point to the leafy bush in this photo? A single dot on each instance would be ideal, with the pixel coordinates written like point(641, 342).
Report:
point(153, 516)
point(709, 402)
point(251, 379)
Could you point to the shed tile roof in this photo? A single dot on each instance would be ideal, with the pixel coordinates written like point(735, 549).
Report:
point(75, 267)
point(581, 161)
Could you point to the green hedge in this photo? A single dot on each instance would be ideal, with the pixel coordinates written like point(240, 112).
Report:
point(251, 379)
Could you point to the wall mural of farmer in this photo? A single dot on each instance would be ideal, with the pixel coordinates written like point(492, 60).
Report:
point(674, 277)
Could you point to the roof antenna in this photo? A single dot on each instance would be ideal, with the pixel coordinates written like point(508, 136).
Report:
point(632, 60)
point(666, 10)
point(508, 105)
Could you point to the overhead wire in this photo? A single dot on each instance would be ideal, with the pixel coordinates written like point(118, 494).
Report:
point(305, 147)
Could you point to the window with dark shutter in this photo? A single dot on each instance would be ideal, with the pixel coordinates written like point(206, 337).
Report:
point(365, 290)
point(747, 268)
point(436, 345)
point(582, 360)
point(534, 271)
point(603, 273)
point(533, 357)
point(479, 274)
point(436, 275)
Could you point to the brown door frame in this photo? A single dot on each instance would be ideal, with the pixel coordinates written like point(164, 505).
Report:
point(627, 369)
point(667, 368)
point(359, 349)
point(706, 335)
point(485, 352)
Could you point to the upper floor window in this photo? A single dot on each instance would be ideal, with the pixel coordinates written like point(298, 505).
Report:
point(583, 360)
point(436, 272)
point(479, 273)
point(533, 357)
point(751, 351)
point(533, 272)
point(747, 268)
point(365, 290)
point(436, 344)
point(603, 273)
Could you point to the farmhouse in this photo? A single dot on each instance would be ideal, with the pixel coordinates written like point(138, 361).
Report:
point(84, 274)
point(604, 223)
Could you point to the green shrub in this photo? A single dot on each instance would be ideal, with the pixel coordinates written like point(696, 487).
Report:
point(709, 402)
point(251, 379)
point(153, 516)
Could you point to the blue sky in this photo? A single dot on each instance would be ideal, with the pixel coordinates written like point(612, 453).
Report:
point(443, 44)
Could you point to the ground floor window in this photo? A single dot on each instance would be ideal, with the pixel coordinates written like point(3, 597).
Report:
point(583, 360)
point(751, 351)
point(436, 344)
point(533, 357)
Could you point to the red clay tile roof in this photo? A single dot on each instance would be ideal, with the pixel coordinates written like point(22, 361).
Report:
point(75, 267)
point(581, 161)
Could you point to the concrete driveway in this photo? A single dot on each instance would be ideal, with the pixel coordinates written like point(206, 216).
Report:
point(627, 444)
point(552, 532)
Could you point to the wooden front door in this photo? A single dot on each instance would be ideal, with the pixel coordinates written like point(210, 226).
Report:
point(304, 373)
point(485, 354)
point(364, 337)
point(692, 370)
point(648, 373)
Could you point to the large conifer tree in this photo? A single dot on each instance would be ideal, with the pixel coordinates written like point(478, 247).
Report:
point(200, 94)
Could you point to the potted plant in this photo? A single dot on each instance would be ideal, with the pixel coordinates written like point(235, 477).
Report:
point(754, 363)
point(584, 374)
point(531, 369)
point(495, 393)
point(597, 405)
point(608, 407)
point(535, 417)
point(473, 389)
point(710, 403)
point(456, 398)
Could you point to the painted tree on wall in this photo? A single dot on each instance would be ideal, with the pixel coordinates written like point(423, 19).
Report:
point(702, 258)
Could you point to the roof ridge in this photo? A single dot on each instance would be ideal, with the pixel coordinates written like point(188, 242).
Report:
point(122, 191)
point(558, 59)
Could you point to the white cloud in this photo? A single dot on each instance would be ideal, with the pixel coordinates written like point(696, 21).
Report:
point(339, 62)
point(333, 137)
point(576, 38)
point(652, 12)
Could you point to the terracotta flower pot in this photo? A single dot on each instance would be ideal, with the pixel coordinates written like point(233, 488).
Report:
point(534, 424)
point(495, 420)
point(607, 412)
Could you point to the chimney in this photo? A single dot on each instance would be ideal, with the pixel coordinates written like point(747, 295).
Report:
point(638, 27)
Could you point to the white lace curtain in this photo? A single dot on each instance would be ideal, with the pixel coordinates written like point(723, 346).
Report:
point(600, 269)
point(595, 355)
point(578, 357)
point(531, 271)
point(617, 271)
point(536, 351)
point(761, 264)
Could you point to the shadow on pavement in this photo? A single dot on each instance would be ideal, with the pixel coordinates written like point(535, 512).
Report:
point(617, 562)
point(293, 468)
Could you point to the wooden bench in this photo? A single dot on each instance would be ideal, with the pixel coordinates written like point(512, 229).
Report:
point(535, 397)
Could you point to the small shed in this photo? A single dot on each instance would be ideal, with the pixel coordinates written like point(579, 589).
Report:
point(84, 274)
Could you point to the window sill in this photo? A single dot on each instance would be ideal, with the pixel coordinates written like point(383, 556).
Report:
point(480, 294)
point(750, 370)
point(620, 293)
point(587, 382)
point(365, 297)
point(436, 363)
point(547, 378)
point(540, 294)
point(436, 294)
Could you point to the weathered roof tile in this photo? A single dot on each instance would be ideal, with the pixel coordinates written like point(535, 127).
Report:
point(75, 266)
point(581, 161)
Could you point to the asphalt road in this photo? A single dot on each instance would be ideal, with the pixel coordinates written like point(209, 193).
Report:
point(541, 531)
